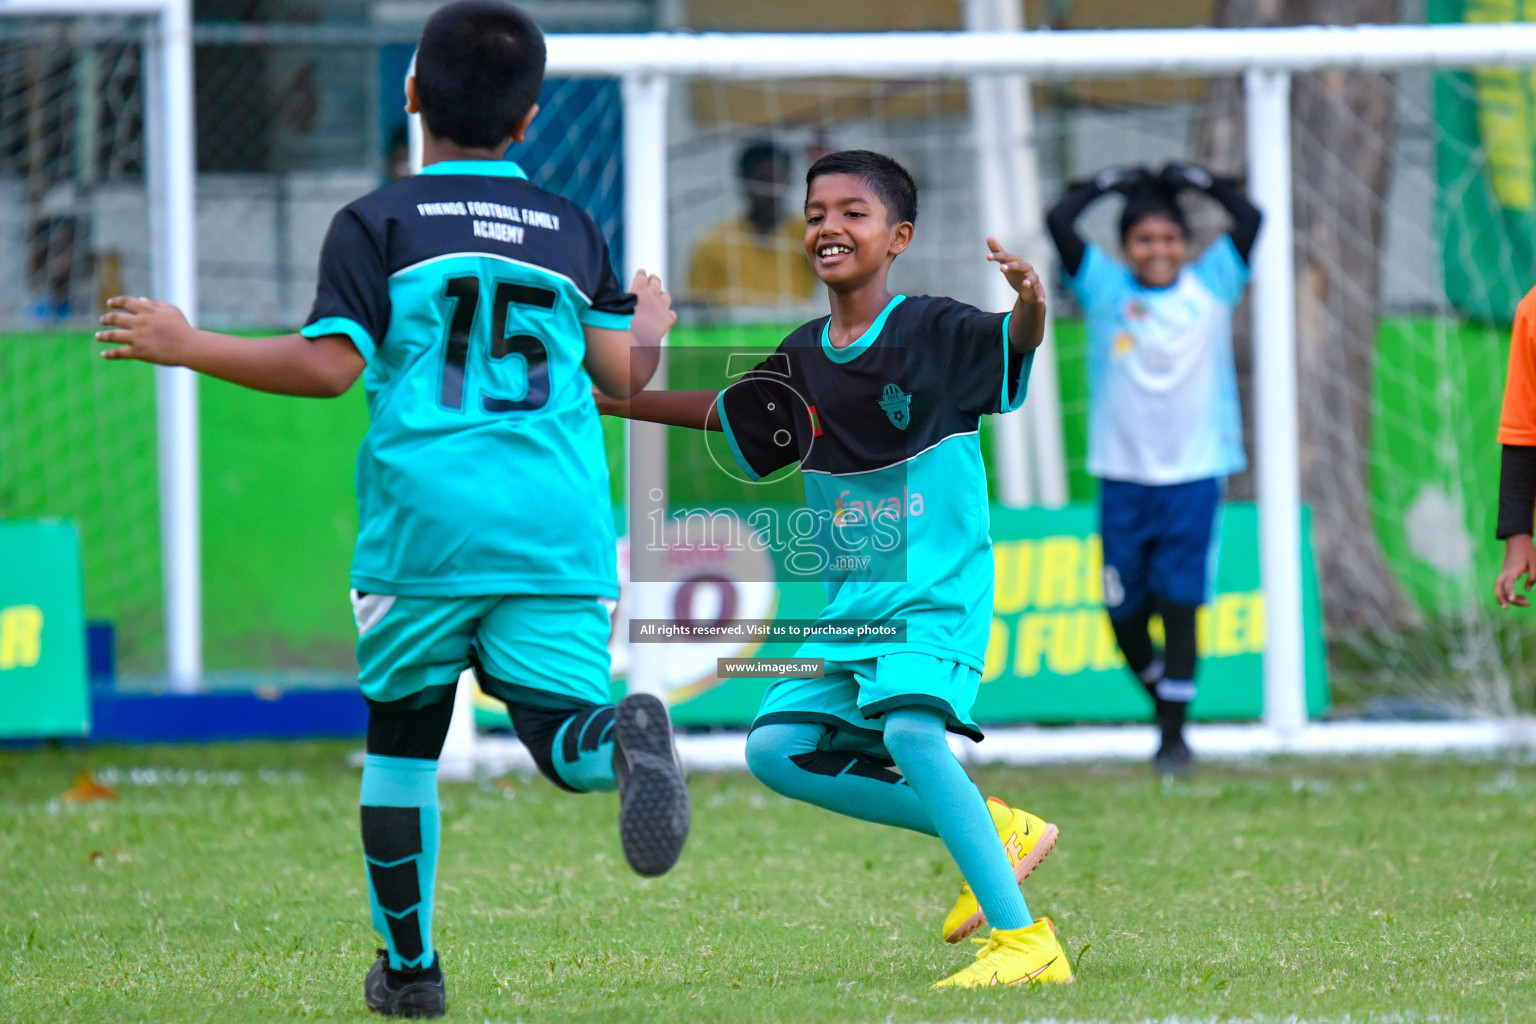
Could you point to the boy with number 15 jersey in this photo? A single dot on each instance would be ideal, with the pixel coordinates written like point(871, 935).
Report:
point(480, 311)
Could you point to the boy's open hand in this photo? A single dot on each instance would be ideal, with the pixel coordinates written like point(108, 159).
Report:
point(1176, 176)
point(1021, 276)
point(653, 309)
point(1125, 179)
point(155, 332)
point(1519, 560)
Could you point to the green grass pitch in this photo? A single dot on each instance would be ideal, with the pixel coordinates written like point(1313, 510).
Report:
point(225, 884)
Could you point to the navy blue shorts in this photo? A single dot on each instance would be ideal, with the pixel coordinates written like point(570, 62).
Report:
point(1159, 541)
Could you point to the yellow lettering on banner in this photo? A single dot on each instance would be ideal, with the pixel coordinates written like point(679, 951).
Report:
point(1229, 625)
point(1106, 651)
point(1504, 114)
point(1504, 119)
point(1155, 628)
point(21, 636)
point(1070, 636)
point(1236, 625)
point(1203, 630)
point(1031, 644)
point(1256, 637)
point(1013, 561)
point(997, 651)
point(1060, 563)
point(1093, 570)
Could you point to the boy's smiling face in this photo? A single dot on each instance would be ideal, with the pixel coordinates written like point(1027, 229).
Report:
point(848, 237)
point(1155, 247)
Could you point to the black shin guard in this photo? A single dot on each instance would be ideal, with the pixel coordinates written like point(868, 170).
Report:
point(1135, 641)
point(397, 731)
point(1179, 659)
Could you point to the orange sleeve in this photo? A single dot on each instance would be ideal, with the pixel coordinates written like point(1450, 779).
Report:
point(1517, 423)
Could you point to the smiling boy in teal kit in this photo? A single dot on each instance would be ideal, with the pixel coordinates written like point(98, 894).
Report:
point(880, 404)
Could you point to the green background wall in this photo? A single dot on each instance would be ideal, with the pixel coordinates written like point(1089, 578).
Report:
point(77, 439)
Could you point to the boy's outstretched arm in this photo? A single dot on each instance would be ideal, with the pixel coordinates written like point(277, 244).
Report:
point(1026, 329)
point(157, 332)
point(621, 362)
point(693, 409)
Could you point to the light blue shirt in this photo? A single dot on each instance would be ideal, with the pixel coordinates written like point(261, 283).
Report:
point(1162, 386)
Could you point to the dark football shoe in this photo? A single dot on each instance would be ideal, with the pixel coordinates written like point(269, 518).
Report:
point(654, 807)
point(405, 993)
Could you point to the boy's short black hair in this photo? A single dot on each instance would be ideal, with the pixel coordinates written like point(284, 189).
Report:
point(886, 178)
point(479, 69)
point(1151, 200)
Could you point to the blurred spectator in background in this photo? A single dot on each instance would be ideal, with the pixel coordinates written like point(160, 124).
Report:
point(759, 258)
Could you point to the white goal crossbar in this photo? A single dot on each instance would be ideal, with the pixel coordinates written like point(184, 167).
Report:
point(1103, 53)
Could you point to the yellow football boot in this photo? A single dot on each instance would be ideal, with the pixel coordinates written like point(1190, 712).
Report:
point(1027, 839)
point(1022, 956)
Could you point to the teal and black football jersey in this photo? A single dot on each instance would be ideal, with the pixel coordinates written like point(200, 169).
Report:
point(886, 434)
point(466, 289)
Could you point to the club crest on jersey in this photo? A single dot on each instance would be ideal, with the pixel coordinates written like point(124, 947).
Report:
point(897, 406)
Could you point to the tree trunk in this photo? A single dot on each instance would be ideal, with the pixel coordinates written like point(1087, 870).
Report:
point(1342, 134)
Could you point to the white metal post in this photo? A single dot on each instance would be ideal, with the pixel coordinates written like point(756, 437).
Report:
point(1093, 53)
point(1008, 191)
point(169, 111)
point(645, 247)
point(994, 122)
point(1278, 474)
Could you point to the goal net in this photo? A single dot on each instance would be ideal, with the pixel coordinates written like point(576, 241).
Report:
point(1412, 232)
point(1413, 239)
point(77, 436)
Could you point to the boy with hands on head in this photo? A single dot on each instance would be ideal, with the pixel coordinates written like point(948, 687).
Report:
point(1164, 426)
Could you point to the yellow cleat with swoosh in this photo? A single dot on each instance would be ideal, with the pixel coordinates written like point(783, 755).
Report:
point(1027, 839)
point(1020, 956)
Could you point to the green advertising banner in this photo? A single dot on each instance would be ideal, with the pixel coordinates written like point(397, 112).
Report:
point(43, 690)
point(1052, 656)
point(1486, 168)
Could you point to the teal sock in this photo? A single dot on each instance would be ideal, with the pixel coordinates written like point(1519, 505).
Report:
point(401, 833)
point(583, 750)
point(915, 738)
point(785, 758)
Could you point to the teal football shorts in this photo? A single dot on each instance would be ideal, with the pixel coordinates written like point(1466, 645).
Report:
point(543, 650)
point(853, 695)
